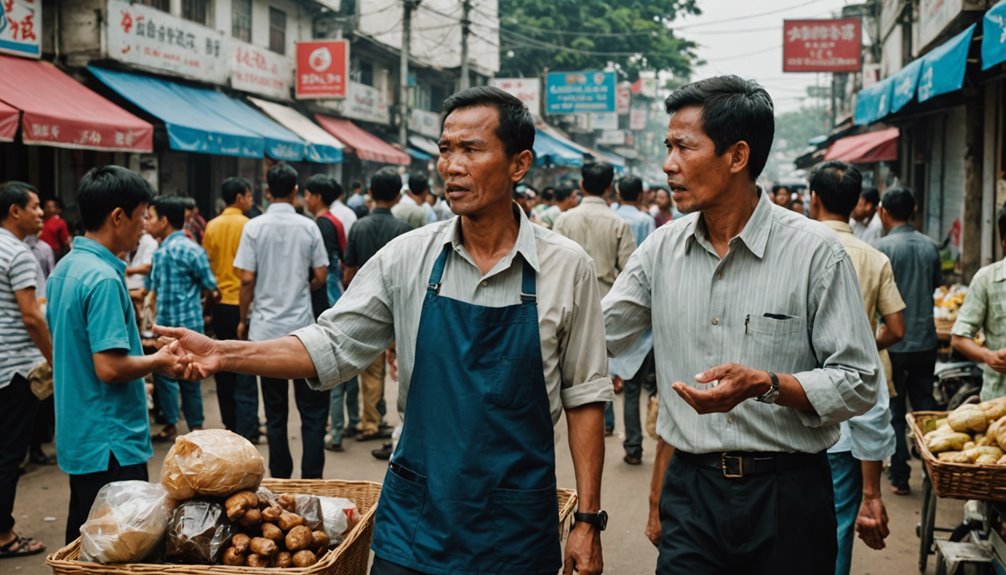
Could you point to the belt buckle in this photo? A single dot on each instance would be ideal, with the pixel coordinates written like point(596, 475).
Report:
point(729, 471)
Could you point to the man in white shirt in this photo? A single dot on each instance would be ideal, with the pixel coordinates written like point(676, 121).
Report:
point(865, 220)
point(345, 214)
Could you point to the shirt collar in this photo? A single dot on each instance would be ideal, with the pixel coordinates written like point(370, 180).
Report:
point(231, 212)
point(281, 207)
point(999, 271)
point(88, 245)
point(593, 200)
point(526, 245)
point(5, 232)
point(386, 211)
point(902, 229)
point(838, 227)
point(756, 230)
point(173, 236)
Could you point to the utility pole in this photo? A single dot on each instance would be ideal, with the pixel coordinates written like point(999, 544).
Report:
point(466, 6)
point(403, 97)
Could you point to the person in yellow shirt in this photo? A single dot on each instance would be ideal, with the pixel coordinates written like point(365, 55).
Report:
point(237, 394)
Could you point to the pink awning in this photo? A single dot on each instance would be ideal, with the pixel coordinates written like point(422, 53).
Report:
point(365, 145)
point(8, 122)
point(60, 111)
point(867, 148)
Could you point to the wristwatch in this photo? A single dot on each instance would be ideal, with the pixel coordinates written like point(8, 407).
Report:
point(599, 519)
point(772, 395)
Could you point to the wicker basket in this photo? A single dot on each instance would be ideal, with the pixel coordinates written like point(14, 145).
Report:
point(349, 558)
point(956, 480)
point(567, 504)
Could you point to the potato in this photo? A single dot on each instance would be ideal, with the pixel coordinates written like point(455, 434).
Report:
point(233, 557)
point(968, 445)
point(304, 558)
point(968, 417)
point(994, 408)
point(319, 541)
point(239, 503)
point(263, 546)
point(271, 514)
point(240, 542)
point(986, 460)
point(1002, 460)
point(941, 430)
point(299, 538)
point(999, 426)
point(251, 518)
point(288, 521)
point(953, 457)
point(975, 452)
point(256, 560)
point(947, 442)
point(287, 501)
point(284, 560)
point(273, 533)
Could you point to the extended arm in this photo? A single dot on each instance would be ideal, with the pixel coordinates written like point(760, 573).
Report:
point(891, 331)
point(34, 321)
point(665, 452)
point(586, 445)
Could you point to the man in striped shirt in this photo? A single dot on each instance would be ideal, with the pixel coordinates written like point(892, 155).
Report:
point(24, 343)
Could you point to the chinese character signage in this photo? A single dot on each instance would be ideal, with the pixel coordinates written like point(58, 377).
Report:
point(149, 38)
point(527, 90)
point(364, 103)
point(322, 69)
point(580, 92)
point(260, 71)
point(822, 45)
point(424, 123)
point(21, 27)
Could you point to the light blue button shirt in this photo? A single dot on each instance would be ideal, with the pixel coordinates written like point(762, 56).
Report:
point(642, 224)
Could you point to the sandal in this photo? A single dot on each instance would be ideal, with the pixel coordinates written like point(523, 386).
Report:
point(166, 435)
point(21, 546)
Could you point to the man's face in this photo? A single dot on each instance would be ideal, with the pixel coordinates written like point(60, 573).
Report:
point(477, 172)
point(245, 201)
point(864, 210)
point(131, 228)
point(312, 201)
point(781, 197)
point(154, 224)
point(51, 208)
point(696, 175)
point(663, 200)
point(30, 217)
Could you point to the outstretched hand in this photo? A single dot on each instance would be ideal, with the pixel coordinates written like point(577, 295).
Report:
point(198, 355)
point(736, 383)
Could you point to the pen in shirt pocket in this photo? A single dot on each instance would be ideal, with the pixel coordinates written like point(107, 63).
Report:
point(747, 320)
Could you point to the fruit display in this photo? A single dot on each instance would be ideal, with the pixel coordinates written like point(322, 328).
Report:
point(972, 433)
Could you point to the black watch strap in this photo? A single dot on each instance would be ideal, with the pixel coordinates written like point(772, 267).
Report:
point(598, 520)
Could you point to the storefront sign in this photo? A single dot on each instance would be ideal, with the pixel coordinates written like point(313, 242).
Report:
point(260, 71)
point(149, 38)
point(936, 15)
point(623, 98)
point(822, 45)
point(608, 121)
point(322, 69)
point(580, 92)
point(424, 123)
point(364, 103)
point(527, 90)
point(612, 138)
point(21, 27)
point(637, 118)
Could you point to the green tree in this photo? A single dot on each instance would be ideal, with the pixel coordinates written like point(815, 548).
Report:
point(793, 132)
point(633, 35)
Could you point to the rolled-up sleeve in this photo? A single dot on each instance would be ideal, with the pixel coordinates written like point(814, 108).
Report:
point(971, 316)
point(846, 384)
point(626, 307)
point(583, 363)
point(355, 331)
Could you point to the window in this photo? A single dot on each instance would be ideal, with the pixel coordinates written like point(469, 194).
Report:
point(241, 19)
point(277, 30)
point(366, 73)
point(164, 5)
point(196, 10)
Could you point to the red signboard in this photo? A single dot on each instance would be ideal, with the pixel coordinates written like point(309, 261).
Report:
point(322, 69)
point(822, 45)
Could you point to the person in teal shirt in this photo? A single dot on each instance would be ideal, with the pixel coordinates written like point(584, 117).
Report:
point(102, 430)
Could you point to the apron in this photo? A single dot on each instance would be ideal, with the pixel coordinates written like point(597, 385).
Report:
point(471, 486)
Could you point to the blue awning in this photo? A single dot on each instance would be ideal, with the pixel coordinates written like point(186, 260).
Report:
point(905, 82)
point(418, 154)
point(943, 68)
point(994, 36)
point(550, 150)
point(203, 120)
point(873, 103)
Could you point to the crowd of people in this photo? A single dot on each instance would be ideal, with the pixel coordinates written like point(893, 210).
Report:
point(497, 308)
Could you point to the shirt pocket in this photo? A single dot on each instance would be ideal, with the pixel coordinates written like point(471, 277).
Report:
point(512, 382)
point(775, 342)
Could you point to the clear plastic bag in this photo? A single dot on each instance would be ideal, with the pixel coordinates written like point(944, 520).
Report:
point(211, 462)
point(340, 515)
point(309, 507)
point(198, 532)
point(126, 521)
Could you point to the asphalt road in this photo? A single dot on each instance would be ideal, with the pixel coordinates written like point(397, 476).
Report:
point(40, 509)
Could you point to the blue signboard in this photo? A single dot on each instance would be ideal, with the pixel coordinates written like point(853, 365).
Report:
point(580, 92)
point(994, 36)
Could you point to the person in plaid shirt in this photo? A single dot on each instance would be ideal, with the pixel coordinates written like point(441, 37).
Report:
point(181, 271)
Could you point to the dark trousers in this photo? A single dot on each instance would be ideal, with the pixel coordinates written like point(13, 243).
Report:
point(382, 567)
point(225, 326)
point(313, 408)
point(913, 382)
point(771, 523)
point(84, 489)
point(45, 420)
point(645, 378)
point(17, 418)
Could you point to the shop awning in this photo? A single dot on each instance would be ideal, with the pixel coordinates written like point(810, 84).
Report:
point(365, 145)
point(417, 154)
point(8, 122)
point(943, 68)
point(425, 145)
point(60, 111)
point(322, 148)
point(904, 85)
point(994, 36)
point(865, 148)
point(187, 115)
point(873, 103)
point(614, 159)
point(550, 151)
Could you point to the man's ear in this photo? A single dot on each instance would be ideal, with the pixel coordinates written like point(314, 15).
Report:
point(740, 155)
point(521, 164)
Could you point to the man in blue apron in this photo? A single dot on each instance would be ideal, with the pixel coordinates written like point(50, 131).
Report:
point(498, 329)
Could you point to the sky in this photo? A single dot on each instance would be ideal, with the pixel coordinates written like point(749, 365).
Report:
point(744, 37)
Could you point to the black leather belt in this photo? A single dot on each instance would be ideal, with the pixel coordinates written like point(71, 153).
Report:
point(737, 464)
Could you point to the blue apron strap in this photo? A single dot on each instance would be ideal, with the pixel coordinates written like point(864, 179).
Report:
point(438, 271)
point(527, 286)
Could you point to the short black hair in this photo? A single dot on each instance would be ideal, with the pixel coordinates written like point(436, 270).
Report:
point(356, 185)
point(629, 188)
point(516, 125)
point(795, 201)
point(232, 188)
point(871, 195)
point(733, 109)
point(14, 193)
point(838, 186)
point(385, 185)
point(282, 179)
point(597, 177)
point(899, 202)
point(776, 188)
point(105, 188)
point(562, 194)
point(419, 184)
point(173, 208)
point(548, 194)
point(325, 186)
point(1002, 222)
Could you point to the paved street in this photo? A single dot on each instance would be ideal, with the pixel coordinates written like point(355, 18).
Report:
point(42, 498)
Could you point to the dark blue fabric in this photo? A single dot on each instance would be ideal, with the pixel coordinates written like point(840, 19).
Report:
point(471, 486)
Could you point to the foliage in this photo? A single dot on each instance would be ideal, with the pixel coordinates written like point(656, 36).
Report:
point(632, 35)
point(793, 131)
